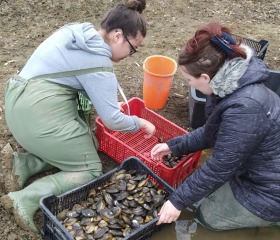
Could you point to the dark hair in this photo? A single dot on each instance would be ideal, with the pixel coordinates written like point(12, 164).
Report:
point(127, 17)
point(200, 56)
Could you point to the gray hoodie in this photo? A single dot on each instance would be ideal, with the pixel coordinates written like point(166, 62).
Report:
point(79, 46)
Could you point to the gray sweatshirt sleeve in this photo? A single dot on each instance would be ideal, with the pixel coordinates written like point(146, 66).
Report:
point(101, 88)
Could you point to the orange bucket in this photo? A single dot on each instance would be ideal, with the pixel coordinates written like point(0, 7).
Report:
point(158, 75)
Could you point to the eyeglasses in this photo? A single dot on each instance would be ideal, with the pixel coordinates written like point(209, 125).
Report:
point(133, 49)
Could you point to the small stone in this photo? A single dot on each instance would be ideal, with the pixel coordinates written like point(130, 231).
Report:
point(7, 149)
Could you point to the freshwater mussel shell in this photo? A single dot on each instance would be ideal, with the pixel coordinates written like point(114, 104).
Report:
point(127, 211)
point(140, 200)
point(101, 205)
point(126, 219)
point(139, 219)
point(87, 212)
point(142, 183)
point(122, 195)
point(90, 228)
point(147, 207)
point(80, 235)
point(86, 221)
point(69, 221)
point(157, 200)
point(132, 203)
point(92, 193)
point(115, 226)
point(140, 177)
point(103, 223)
point(148, 197)
point(148, 218)
point(138, 211)
point(107, 236)
point(116, 233)
point(131, 185)
point(72, 214)
point(106, 214)
point(108, 198)
point(62, 215)
point(135, 223)
point(126, 231)
point(112, 189)
point(100, 232)
point(116, 211)
point(121, 184)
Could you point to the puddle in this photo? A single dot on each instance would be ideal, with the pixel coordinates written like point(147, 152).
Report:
point(185, 228)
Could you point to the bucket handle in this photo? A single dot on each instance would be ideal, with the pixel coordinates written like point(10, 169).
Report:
point(124, 98)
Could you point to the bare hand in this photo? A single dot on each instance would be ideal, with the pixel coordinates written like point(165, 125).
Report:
point(147, 127)
point(160, 150)
point(168, 213)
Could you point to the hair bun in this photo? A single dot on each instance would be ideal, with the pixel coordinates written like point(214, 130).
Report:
point(137, 5)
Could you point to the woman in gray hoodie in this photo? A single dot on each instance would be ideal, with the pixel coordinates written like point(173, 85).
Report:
point(240, 182)
point(41, 108)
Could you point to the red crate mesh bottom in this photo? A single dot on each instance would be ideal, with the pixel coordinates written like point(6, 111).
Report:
point(120, 146)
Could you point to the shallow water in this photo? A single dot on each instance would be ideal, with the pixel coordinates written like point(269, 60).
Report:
point(185, 228)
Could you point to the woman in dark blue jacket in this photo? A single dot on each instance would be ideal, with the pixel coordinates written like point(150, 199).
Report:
point(241, 179)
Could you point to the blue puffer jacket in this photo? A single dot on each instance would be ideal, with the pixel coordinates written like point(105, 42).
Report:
point(243, 128)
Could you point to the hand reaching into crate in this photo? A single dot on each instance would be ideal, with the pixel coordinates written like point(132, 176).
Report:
point(147, 127)
point(159, 151)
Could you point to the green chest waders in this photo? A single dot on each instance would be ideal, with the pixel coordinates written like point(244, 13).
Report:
point(43, 117)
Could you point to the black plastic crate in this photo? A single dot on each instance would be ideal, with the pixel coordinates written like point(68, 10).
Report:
point(197, 99)
point(197, 102)
point(259, 47)
point(51, 205)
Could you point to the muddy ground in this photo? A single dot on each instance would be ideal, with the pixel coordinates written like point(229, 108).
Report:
point(26, 23)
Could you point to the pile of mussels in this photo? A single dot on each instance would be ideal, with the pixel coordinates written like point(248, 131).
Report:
point(114, 210)
point(169, 160)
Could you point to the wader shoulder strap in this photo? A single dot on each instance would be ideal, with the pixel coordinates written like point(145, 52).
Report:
point(81, 72)
point(74, 72)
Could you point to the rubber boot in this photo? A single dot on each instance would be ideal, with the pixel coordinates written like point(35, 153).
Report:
point(24, 203)
point(18, 167)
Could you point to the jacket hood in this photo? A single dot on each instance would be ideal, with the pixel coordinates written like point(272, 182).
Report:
point(83, 36)
point(237, 73)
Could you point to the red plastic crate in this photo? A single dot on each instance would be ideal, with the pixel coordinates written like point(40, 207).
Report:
point(120, 146)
